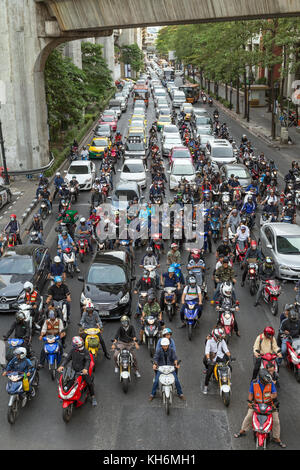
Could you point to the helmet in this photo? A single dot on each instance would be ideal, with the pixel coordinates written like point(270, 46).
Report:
point(243, 227)
point(225, 260)
point(174, 245)
point(269, 332)
point(36, 216)
point(56, 259)
point(125, 320)
point(171, 269)
point(218, 334)
point(151, 297)
point(20, 352)
point(20, 316)
point(227, 289)
point(13, 216)
point(269, 262)
point(293, 316)
point(57, 279)
point(89, 307)
point(192, 281)
point(28, 286)
point(166, 331)
point(165, 342)
point(58, 173)
point(78, 343)
point(82, 220)
point(264, 376)
point(253, 244)
point(149, 249)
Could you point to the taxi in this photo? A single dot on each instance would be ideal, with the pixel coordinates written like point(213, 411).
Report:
point(138, 131)
point(140, 117)
point(163, 120)
point(97, 146)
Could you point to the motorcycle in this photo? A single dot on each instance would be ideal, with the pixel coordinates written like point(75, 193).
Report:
point(292, 359)
point(297, 198)
point(222, 375)
point(73, 390)
point(269, 358)
point(191, 313)
point(170, 301)
point(83, 248)
point(150, 337)
point(61, 306)
point(241, 248)
point(287, 219)
point(69, 261)
point(92, 342)
point(11, 240)
point(53, 353)
point(157, 244)
point(272, 291)
point(125, 363)
point(44, 209)
point(227, 321)
point(34, 238)
point(143, 297)
point(215, 229)
point(167, 385)
point(225, 201)
point(20, 389)
point(204, 99)
point(267, 218)
point(216, 116)
point(262, 423)
point(73, 194)
point(253, 276)
point(104, 191)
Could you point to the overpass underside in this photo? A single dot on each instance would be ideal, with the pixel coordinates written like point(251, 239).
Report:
point(79, 15)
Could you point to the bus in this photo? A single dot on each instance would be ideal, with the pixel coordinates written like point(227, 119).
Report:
point(191, 91)
point(141, 92)
point(168, 74)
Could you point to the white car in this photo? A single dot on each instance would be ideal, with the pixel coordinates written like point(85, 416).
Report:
point(169, 142)
point(134, 170)
point(84, 171)
point(180, 168)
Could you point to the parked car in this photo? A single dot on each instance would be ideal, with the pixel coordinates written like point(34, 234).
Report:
point(84, 170)
point(281, 241)
point(134, 170)
point(109, 283)
point(18, 265)
point(181, 168)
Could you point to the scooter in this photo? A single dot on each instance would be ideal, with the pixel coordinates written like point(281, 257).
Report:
point(292, 360)
point(215, 229)
point(170, 301)
point(150, 337)
point(157, 244)
point(240, 251)
point(83, 248)
point(191, 313)
point(269, 358)
point(44, 209)
point(167, 385)
point(20, 389)
point(69, 261)
point(53, 353)
point(73, 390)
point(253, 276)
point(92, 342)
point(73, 194)
point(125, 363)
point(61, 306)
point(222, 375)
point(227, 321)
point(272, 291)
point(34, 238)
point(262, 423)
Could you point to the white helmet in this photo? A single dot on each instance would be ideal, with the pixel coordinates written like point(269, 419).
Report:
point(58, 173)
point(56, 259)
point(82, 220)
point(227, 289)
point(28, 285)
point(20, 352)
point(165, 342)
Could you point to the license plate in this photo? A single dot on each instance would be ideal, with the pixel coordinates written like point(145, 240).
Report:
point(4, 306)
point(103, 313)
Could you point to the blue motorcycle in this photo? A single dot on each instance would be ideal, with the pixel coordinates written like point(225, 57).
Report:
point(53, 353)
point(13, 344)
point(191, 313)
point(287, 219)
point(18, 397)
point(215, 229)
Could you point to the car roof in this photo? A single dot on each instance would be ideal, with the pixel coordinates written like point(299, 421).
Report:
point(132, 160)
point(281, 228)
point(182, 161)
point(80, 163)
point(128, 185)
point(114, 257)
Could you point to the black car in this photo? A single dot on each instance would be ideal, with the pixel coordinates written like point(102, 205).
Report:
point(109, 284)
point(18, 265)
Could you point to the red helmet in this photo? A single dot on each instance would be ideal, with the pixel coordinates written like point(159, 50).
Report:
point(269, 332)
point(68, 250)
point(253, 244)
point(195, 254)
point(78, 343)
point(13, 216)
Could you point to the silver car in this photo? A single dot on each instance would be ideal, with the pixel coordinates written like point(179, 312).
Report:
point(281, 242)
point(169, 142)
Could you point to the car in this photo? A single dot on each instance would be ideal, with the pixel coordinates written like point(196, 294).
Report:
point(84, 170)
point(135, 147)
point(237, 170)
point(139, 118)
point(202, 121)
point(162, 121)
point(281, 241)
point(97, 147)
point(110, 112)
point(200, 131)
point(181, 168)
point(188, 110)
point(169, 142)
point(115, 105)
point(206, 139)
point(134, 170)
point(123, 100)
point(221, 151)
point(138, 131)
point(136, 122)
point(5, 196)
point(111, 120)
point(201, 112)
point(178, 99)
point(18, 265)
point(103, 130)
point(124, 193)
point(109, 284)
point(170, 131)
point(180, 152)
point(163, 107)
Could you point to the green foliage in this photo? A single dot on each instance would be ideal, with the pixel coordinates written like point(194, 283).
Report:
point(132, 54)
point(98, 78)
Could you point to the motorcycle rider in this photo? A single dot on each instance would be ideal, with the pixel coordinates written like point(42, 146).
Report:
point(21, 330)
point(58, 181)
point(166, 333)
point(165, 356)
point(59, 291)
point(52, 326)
point(249, 209)
point(216, 213)
point(289, 327)
point(81, 359)
point(224, 274)
point(57, 268)
point(84, 232)
point(125, 337)
point(191, 292)
point(215, 350)
point(74, 184)
point(265, 343)
point(44, 195)
point(20, 363)
point(253, 252)
point(13, 227)
point(266, 272)
point(37, 226)
point(155, 191)
point(91, 319)
point(84, 153)
point(173, 255)
point(151, 308)
point(66, 241)
point(289, 211)
point(224, 249)
point(271, 209)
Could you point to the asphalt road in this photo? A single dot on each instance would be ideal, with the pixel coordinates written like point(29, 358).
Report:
point(129, 421)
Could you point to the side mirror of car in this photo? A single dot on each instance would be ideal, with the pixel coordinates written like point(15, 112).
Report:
point(269, 246)
point(80, 278)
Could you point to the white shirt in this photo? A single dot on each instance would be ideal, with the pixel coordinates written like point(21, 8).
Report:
point(191, 292)
point(243, 236)
point(219, 349)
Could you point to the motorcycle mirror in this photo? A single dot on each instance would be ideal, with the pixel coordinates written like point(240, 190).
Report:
point(80, 278)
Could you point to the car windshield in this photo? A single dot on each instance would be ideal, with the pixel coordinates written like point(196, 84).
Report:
point(288, 245)
point(132, 146)
point(78, 170)
point(107, 118)
point(106, 274)
point(204, 131)
point(171, 130)
point(125, 194)
point(239, 172)
point(18, 265)
point(184, 153)
point(137, 167)
point(183, 170)
point(173, 140)
point(164, 118)
point(221, 152)
point(200, 120)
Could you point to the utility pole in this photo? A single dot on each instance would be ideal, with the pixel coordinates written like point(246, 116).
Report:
point(6, 179)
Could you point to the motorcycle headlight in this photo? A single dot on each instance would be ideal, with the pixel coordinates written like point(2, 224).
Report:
point(125, 299)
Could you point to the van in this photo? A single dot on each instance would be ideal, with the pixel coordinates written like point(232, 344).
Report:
point(221, 151)
point(178, 99)
point(125, 192)
point(116, 106)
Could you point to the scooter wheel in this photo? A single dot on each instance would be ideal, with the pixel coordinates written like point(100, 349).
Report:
point(12, 412)
point(226, 398)
point(67, 413)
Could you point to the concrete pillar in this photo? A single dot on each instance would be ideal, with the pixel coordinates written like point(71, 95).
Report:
point(72, 50)
point(108, 51)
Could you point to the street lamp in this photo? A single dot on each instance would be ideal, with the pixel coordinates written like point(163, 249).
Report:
point(249, 81)
point(231, 90)
point(2, 100)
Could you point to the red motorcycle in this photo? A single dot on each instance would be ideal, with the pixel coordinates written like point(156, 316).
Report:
point(240, 251)
point(253, 277)
point(104, 191)
point(293, 356)
point(227, 321)
point(73, 390)
point(267, 359)
point(271, 293)
point(83, 248)
point(157, 244)
point(11, 240)
point(262, 423)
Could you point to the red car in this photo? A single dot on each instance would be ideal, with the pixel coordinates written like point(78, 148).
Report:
point(179, 152)
point(109, 120)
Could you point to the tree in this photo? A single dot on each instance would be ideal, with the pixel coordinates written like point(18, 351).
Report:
point(98, 79)
point(132, 54)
